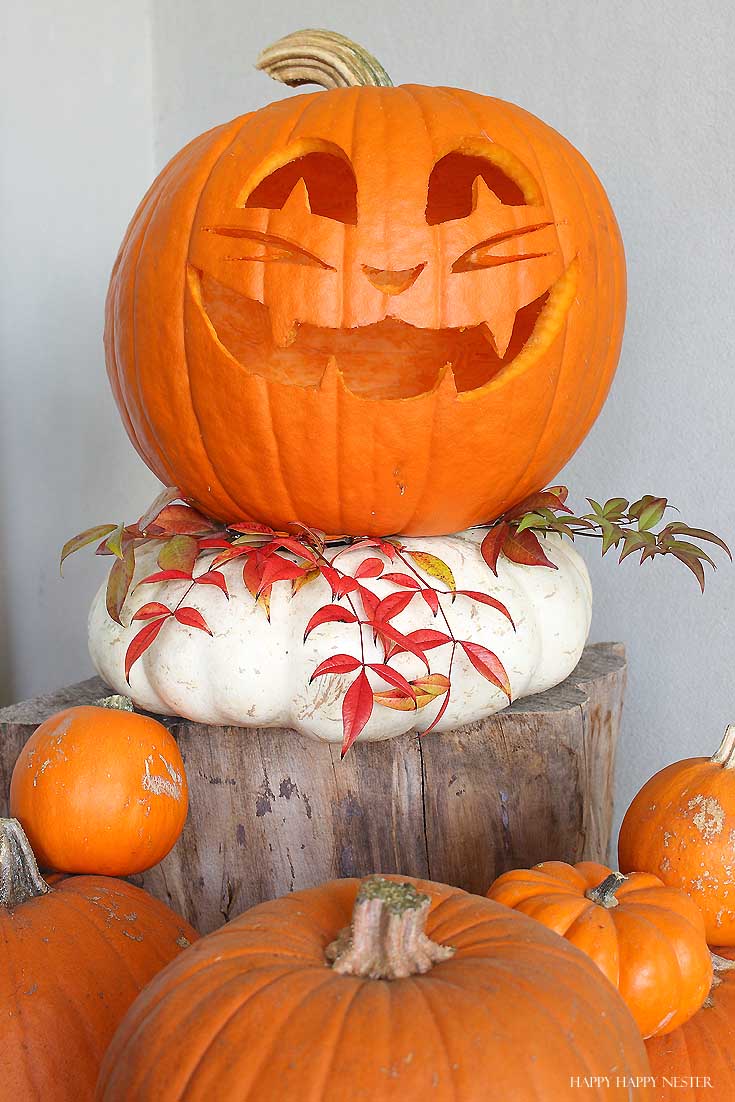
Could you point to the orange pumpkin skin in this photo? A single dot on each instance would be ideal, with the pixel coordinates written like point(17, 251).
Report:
point(254, 1013)
point(696, 1063)
point(650, 945)
point(73, 961)
point(681, 827)
point(290, 364)
point(100, 791)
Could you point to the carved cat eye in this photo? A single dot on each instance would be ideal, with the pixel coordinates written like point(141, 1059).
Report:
point(480, 256)
point(273, 248)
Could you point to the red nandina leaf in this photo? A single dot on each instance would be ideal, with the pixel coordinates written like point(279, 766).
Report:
point(171, 493)
point(149, 611)
point(434, 567)
point(428, 638)
point(357, 707)
point(192, 619)
point(369, 568)
point(393, 605)
point(140, 644)
point(402, 579)
point(545, 499)
point(393, 677)
point(439, 714)
point(228, 554)
point(489, 665)
point(338, 663)
point(525, 548)
point(295, 546)
point(208, 543)
point(427, 690)
point(330, 614)
point(692, 564)
point(252, 572)
point(84, 539)
point(181, 520)
point(118, 583)
point(370, 602)
point(432, 599)
point(485, 599)
point(492, 545)
point(165, 576)
point(214, 577)
point(277, 569)
point(404, 642)
point(340, 584)
point(179, 553)
point(251, 528)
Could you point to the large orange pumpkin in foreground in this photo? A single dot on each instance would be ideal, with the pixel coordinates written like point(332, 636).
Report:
point(100, 790)
point(74, 958)
point(696, 1063)
point(371, 309)
point(647, 939)
point(681, 827)
point(433, 993)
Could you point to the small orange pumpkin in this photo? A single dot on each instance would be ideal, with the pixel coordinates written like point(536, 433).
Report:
point(100, 790)
point(647, 939)
point(371, 309)
point(74, 958)
point(432, 993)
point(681, 827)
point(696, 1063)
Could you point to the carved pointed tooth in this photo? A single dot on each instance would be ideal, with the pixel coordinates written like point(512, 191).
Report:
point(298, 200)
point(332, 377)
point(446, 383)
point(483, 199)
point(500, 333)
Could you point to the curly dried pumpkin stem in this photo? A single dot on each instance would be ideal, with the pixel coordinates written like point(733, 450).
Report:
point(20, 879)
point(725, 753)
point(719, 965)
point(324, 58)
point(604, 894)
point(386, 940)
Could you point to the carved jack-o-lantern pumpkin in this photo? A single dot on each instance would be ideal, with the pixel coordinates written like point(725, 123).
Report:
point(371, 309)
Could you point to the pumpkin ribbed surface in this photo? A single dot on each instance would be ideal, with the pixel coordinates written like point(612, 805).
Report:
point(254, 1012)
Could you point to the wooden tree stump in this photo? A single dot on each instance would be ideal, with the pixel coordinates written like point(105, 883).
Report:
point(272, 811)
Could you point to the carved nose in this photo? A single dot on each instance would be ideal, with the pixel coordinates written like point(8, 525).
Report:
point(393, 283)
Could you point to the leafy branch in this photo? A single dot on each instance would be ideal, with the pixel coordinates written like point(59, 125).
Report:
point(618, 524)
point(195, 550)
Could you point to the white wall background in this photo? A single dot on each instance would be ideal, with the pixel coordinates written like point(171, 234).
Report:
point(99, 95)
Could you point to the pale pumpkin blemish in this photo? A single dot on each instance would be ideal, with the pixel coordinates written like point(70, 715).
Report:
point(160, 785)
point(710, 818)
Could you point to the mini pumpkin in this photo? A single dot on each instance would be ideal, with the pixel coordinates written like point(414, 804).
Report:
point(696, 1063)
point(646, 938)
point(74, 958)
point(681, 827)
point(100, 790)
point(371, 309)
point(431, 993)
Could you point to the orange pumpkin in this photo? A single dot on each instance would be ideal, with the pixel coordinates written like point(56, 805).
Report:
point(372, 309)
point(432, 993)
point(646, 938)
point(696, 1063)
point(74, 958)
point(100, 790)
point(681, 827)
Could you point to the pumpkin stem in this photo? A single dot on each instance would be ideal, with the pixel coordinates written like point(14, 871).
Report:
point(20, 879)
point(116, 702)
point(386, 940)
point(719, 964)
point(725, 753)
point(604, 894)
point(324, 58)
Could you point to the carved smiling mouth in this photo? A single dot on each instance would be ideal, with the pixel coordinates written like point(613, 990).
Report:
point(387, 359)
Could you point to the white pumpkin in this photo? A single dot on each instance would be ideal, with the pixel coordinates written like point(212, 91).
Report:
point(256, 673)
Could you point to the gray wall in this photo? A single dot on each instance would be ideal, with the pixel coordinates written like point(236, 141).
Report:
point(645, 90)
